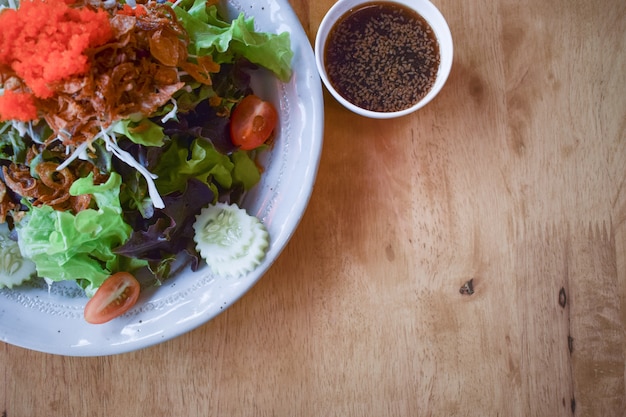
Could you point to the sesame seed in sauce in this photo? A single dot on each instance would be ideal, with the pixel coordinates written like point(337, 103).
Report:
point(382, 57)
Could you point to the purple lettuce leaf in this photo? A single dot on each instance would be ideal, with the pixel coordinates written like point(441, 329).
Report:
point(169, 233)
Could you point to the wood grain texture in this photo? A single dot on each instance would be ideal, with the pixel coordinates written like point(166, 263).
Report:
point(514, 176)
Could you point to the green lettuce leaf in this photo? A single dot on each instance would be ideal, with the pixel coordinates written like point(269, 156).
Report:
point(78, 247)
point(202, 161)
point(17, 137)
point(12, 147)
point(143, 132)
point(210, 35)
point(245, 170)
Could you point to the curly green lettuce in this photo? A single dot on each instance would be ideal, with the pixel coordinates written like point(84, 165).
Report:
point(203, 162)
point(78, 247)
point(210, 35)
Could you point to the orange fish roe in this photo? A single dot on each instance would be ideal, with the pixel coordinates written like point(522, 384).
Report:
point(17, 106)
point(44, 41)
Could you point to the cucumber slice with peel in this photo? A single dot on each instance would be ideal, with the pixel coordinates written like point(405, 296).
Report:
point(14, 268)
point(231, 241)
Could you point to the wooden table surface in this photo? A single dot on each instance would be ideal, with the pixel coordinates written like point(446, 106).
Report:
point(514, 176)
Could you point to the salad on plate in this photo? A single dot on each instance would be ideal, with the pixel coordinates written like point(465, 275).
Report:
point(129, 132)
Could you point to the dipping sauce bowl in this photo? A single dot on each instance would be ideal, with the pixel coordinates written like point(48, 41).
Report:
point(384, 59)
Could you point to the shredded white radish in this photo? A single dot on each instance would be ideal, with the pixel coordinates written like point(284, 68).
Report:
point(24, 128)
point(10, 4)
point(124, 156)
point(172, 113)
point(79, 152)
point(111, 145)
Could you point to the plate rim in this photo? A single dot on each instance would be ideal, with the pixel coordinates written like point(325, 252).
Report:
point(281, 12)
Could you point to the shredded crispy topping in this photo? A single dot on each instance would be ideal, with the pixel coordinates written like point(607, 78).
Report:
point(135, 72)
point(49, 186)
point(126, 77)
point(130, 72)
point(7, 205)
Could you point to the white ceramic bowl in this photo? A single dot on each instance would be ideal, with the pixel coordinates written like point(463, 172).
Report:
point(51, 319)
point(425, 9)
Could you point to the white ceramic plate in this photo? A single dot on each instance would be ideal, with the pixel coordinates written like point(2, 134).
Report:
point(51, 320)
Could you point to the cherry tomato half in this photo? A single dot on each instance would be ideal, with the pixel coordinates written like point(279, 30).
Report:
point(117, 294)
point(252, 122)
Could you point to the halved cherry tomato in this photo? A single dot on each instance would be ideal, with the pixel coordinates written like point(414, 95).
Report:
point(252, 122)
point(117, 294)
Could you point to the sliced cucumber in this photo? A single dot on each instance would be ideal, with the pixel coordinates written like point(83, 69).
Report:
point(14, 268)
point(231, 241)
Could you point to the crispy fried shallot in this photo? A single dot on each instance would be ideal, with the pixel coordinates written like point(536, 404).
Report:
point(135, 73)
point(131, 74)
point(51, 187)
point(6, 204)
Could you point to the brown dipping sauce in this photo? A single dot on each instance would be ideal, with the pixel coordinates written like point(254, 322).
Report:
point(382, 57)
